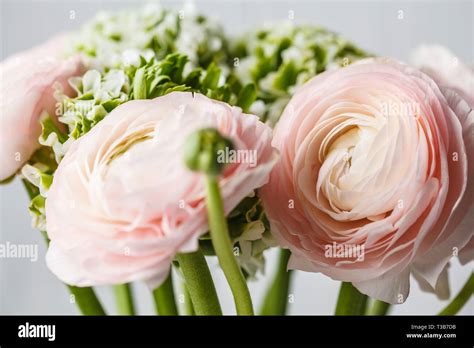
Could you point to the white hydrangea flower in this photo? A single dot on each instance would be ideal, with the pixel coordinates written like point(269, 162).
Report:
point(280, 57)
point(115, 40)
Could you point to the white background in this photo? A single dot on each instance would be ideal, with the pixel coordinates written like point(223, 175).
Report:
point(29, 288)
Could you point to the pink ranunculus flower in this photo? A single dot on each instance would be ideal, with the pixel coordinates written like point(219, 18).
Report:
point(456, 81)
point(27, 84)
point(446, 69)
point(122, 202)
point(373, 182)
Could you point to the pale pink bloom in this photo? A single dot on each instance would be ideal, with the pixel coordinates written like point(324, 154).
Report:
point(123, 203)
point(374, 162)
point(456, 80)
point(27, 85)
point(446, 69)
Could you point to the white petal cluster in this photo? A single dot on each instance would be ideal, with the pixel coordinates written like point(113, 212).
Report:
point(117, 39)
point(280, 57)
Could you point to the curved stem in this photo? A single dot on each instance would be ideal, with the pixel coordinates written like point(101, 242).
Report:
point(124, 299)
point(188, 308)
point(199, 283)
point(276, 300)
point(86, 300)
point(350, 301)
point(163, 296)
point(461, 298)
point(223, 248)
point(377, 307)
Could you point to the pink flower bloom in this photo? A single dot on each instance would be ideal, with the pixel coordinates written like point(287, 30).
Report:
point(27, 82)
point(373, 181)
point(446, 69)
point(456, 81)
point(123, 203)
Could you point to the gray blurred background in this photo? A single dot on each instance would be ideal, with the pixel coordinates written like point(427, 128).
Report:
point(29, 288)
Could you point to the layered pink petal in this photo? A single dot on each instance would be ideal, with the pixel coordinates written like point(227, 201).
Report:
point(122, 202)
point(374, 155)
point(27, 84)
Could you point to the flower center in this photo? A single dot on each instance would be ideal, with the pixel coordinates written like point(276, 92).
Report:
point(365, 161)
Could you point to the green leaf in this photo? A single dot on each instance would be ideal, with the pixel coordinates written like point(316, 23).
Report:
point(158, 80)
point(211, 79)
point(139, 84)
point(262, 68)
point(37, 206)
point(277, 57)
point(180, 88)
point(109, 105)
point(177, 72)
point(286, 76)
point(247, 96)
point(40, 176)
point(320, 56)
point(48, 126)
point(222, 93)
point(193, 78)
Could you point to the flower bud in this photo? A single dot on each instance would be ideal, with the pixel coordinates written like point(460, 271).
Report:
point(201, 151)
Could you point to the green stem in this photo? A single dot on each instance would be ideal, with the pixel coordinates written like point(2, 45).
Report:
point(461, 298)
point(188, 308)
point(163, 296)
point(378, 308)
point(350, 301)
point(124, 299)
point(223, 248)
point(86, 300)
point(199, 283)
point(276, 300)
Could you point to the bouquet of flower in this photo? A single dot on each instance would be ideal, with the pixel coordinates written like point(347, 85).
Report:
point(148, 139)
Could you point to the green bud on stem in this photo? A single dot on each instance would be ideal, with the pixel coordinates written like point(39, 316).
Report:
point(201, 151)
